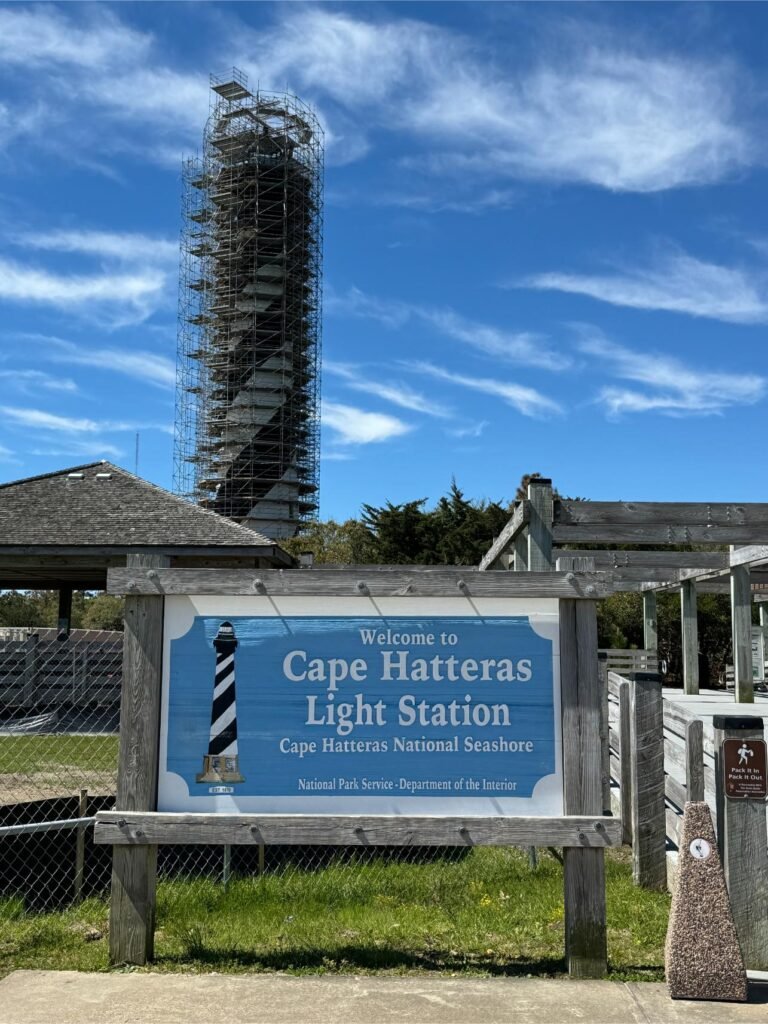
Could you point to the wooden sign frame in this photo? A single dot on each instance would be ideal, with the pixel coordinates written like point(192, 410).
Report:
point(135, 828)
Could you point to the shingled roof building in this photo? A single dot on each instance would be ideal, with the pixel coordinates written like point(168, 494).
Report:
point(62, 531)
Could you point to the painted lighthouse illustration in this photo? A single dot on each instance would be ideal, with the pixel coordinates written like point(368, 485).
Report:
point(220, 763)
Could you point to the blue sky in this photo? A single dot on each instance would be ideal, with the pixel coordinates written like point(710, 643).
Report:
point(546, 238)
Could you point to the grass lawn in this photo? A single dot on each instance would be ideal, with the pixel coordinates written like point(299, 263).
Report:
point(480, 912)
point(37, 754)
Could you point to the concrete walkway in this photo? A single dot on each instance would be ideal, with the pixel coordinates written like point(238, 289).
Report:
point(67, 997)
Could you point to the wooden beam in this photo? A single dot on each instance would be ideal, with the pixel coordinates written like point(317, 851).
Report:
point(520, 549)
point(751, 554)
point(649, 862)
point(741, 633)
point(132, 905)
point(658, 533)
point(137, 830)
point(709, 585)
point(617, 560)
point(650, 622)
point(540, 526)
point(54, 551)
point(441, 582)
point(671, 514)
point(583, 870)
point(690, 636)
point(514, 526)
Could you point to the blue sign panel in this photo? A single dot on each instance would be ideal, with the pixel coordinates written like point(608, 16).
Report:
point(285, 707)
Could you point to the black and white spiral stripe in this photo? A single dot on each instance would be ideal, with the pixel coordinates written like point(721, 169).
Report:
point(223, 739)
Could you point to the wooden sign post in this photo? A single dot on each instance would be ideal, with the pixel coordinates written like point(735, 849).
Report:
point(741, 828)
point(498, 672)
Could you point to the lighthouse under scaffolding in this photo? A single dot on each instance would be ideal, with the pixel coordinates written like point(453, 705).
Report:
point(247, 425)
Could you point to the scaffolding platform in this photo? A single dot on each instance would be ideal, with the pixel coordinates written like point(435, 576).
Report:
point(247, 418)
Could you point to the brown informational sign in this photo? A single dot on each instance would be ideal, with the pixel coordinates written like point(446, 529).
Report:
point(744, 768)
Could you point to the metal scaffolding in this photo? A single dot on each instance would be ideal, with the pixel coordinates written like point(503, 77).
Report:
point(247, 422)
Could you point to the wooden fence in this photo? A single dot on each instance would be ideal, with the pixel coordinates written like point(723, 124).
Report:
point(665, 751)
point(624, 661)
point(41, 671)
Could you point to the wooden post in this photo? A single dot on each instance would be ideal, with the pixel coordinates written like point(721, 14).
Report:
point(690, 635)
point(31, 664)
point(763, 612)
point(625, 754)
point(520, 548)
point(741, 632)
point(694, 760)
point(132, 908)
point(540, 526)
point(741, 833)
point(583, 869)
point(650, 621)
point(80, 847)
point(64, 623)
point(538, 556)
point(649, 859)
point(605, 742)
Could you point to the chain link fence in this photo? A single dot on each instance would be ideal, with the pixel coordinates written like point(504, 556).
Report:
point(279, 906)
point(59, 718)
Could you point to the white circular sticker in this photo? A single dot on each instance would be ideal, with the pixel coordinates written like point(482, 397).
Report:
point(700, 849)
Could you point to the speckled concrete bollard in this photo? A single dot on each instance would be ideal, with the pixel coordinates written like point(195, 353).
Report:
point(703, 958)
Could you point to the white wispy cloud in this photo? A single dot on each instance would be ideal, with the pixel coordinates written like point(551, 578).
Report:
point(115, 75)
point(356, 426)
point(141, 364)
point(84, 449)
point(606, 117)
point(671, 386)
point(478, 201)
point(524, 347)
point(396, 392)
point(125, 247)
point(592, 109)
point(48, 421)
point(676, 282)
point(42, 35)
point(472, 430)
point(117, 298)
point(527, 401)
point(28, 381)
point(123, 277)
point(335, 455)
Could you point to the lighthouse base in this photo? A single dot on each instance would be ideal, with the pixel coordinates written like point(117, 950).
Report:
point(220, 768)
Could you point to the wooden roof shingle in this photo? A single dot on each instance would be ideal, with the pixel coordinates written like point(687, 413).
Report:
point(100, 505)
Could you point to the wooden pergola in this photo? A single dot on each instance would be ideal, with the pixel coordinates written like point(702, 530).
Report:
point(542, 524)
point(64, 530)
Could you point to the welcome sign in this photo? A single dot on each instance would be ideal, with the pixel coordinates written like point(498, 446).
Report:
point(343, 705)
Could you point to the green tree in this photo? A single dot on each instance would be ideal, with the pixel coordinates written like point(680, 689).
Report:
point(456, 532)
point(40, 609)
point(103, 611)
point(620, 621)
point(346, 543)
